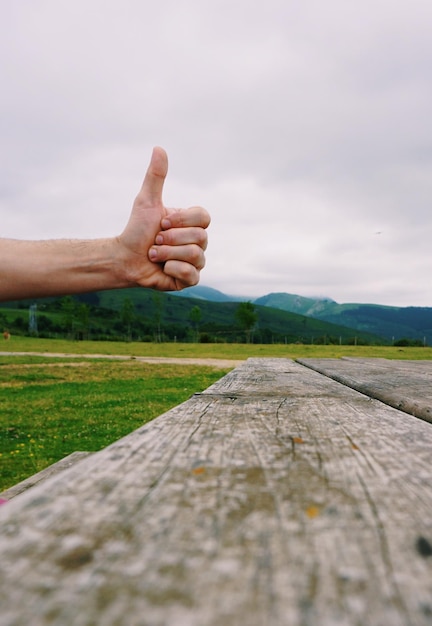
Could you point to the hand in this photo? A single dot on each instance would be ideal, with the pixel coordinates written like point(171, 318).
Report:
point(163, 248)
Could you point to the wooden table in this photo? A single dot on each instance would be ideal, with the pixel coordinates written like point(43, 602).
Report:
point(278, 496)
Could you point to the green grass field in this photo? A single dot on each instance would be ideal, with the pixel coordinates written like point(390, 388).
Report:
point(214, 351)
point(52, 407)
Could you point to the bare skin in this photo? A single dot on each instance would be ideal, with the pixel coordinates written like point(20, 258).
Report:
point(160, 248)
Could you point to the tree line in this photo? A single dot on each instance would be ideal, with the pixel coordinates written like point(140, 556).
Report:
point(78, 318)
point(70, 318)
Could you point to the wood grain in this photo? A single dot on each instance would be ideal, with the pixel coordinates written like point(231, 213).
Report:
point(405, 385)
point(276, 497)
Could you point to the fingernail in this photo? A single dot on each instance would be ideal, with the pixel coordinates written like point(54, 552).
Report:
point(152, 254)
point(165, 223)
point(159, 240)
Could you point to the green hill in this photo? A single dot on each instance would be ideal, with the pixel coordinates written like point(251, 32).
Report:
point(296, 304)
point(201, 292)
point(392, 323)
point(148, 315)
point(219, 318)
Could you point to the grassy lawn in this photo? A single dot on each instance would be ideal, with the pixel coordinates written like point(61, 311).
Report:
point(50, 409)
point(214, 351)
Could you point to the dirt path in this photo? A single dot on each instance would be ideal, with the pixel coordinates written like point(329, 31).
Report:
point(218, 363)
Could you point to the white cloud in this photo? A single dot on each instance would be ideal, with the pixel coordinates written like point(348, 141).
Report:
point(303, 128)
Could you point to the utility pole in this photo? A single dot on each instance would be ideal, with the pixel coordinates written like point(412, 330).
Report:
point(33, 329)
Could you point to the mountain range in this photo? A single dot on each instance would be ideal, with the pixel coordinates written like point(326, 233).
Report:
point(281, 317)
point(389, 322)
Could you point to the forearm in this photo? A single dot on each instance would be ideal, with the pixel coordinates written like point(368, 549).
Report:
point(30, 269)
point(159, 249)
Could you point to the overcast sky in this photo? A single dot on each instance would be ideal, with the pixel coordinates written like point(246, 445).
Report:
point(305, 128)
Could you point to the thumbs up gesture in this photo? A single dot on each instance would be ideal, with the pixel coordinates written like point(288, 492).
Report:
point(162, 248)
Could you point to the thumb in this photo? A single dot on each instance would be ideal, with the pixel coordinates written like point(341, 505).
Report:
point(151, 190)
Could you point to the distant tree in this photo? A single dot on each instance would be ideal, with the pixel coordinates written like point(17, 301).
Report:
point(158, 304)
point(83, 316)
point(68, 314)
point(45, 325)
point(412, 343)
point(127, 316)
point(247, 317)
point(19, 323)
point(195, 316)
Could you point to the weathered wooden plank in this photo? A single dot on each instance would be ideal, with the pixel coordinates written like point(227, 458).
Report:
point(405, 385)
point(276, 497)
